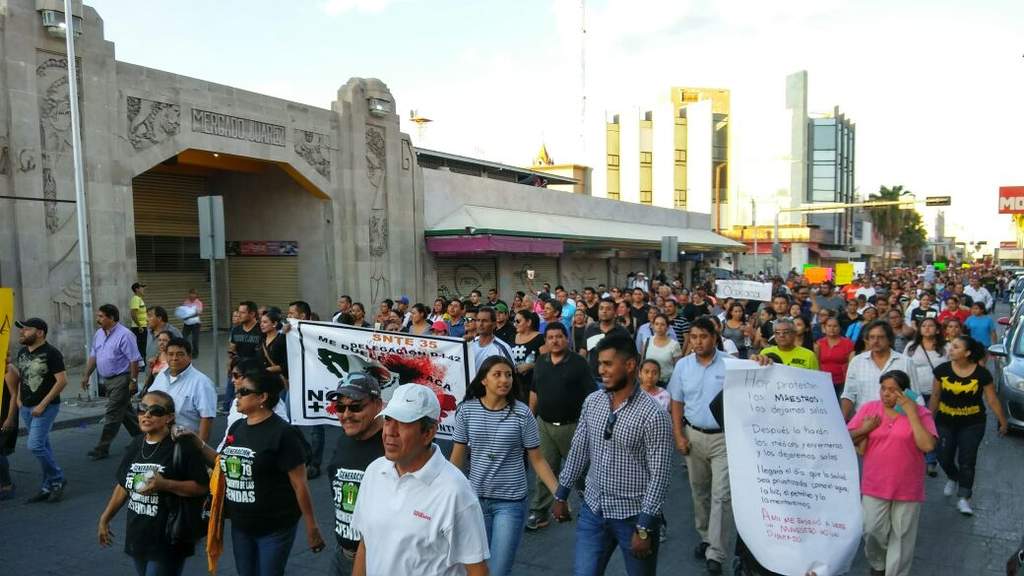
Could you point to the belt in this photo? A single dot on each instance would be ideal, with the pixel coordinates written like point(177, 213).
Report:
point(111, 377)
point(705, 430)
point(567, 423)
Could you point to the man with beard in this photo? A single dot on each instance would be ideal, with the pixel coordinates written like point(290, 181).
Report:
point(356, 404)
point(624, 436)
point(39, 369)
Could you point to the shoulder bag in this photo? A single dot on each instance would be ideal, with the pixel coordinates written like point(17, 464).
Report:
point(187, 518)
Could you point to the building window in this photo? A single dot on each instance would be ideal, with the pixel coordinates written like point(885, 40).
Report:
point(645, 157)
point(613, 159)
point(679, 198)
point(824, 137)
point(681, 156)
point(646, 197)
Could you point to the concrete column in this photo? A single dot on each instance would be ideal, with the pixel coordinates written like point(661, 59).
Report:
point(629, 155)
point(699, 178)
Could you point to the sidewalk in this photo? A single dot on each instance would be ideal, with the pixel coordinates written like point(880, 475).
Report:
point(77, 410)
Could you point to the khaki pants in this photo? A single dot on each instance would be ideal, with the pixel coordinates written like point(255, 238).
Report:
point(554, 446)
point(708, 467)
point(119, 411)
point(890, 532)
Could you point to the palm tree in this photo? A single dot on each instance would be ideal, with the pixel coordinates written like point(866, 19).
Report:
point(888, 220)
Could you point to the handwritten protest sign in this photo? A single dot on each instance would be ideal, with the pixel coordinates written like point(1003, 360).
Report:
point(321, 353)
point(792, 469)
point(859, 268)
point(844, 273)
point(744, 290)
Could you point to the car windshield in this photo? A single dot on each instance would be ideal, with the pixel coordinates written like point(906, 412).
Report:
point(1018, 340)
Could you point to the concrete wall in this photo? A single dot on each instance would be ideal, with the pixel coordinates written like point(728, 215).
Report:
point(271, 206)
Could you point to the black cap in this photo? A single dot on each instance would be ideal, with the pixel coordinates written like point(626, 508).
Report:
point(137, 285)
point(37, 323)
point(358, 385)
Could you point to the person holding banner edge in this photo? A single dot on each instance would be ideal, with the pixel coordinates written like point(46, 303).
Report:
point(697, 379)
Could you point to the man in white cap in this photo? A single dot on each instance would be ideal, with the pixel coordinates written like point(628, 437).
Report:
point(416, 512)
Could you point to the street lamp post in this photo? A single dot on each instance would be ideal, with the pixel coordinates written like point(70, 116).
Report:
point(80, 206)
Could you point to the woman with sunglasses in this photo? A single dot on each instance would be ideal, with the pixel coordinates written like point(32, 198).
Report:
point(146, 480)
point(263, 461)
point(499, 428)
point(526, 345)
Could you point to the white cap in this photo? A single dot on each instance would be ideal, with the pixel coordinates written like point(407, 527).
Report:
point(410, 402)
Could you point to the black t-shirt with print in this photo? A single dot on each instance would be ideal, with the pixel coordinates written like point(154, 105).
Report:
point(247, 342)
point(145, 533)
point(255, 461)
point(38, 369)
point(506, 333)
point(345, 473)
point(961, 402)
point(693, 311)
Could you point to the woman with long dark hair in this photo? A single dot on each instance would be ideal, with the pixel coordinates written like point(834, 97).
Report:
point(439, 311)
point(263, 463)
point(499, 428)
point(149, 479)
point(962, 388)
point(834, 353)
point(926, 351)
point(274, 350)
point(662, 349)
point(419, 325)
point(526, 346)
point(737, 329)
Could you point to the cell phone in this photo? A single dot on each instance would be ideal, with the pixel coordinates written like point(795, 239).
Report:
point(909, 394)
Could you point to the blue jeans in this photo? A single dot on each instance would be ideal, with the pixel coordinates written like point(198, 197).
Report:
point(39, 443)
point(168, 567)
point(505, 521)
point(596, 539)
point(264, 555)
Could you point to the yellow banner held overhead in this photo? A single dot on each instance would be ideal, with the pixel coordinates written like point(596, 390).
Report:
point(844, 273)
point(6, 326)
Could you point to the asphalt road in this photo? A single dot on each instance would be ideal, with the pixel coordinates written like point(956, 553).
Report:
point(59, 539)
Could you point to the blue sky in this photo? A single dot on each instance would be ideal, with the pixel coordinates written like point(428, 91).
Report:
point(934, 85)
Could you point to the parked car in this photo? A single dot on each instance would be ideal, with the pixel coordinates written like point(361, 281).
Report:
point(1009, 368)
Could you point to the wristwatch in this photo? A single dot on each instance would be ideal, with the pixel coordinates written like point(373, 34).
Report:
point(641, 532)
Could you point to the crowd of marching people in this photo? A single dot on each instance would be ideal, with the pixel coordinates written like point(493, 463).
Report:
point(592, 388)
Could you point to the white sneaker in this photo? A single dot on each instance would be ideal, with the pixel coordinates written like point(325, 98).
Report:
point(950, 488)
point(964, 507)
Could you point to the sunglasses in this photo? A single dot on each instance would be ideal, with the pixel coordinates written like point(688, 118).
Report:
point(340, 408)
point(243, 392)
point(609, 425)
point(157, 410)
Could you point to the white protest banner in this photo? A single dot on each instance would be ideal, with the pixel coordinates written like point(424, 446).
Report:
point(743, 290)
point(859, 268)
point(321, 353)
point(792, 470)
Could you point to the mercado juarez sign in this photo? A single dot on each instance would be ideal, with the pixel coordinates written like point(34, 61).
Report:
point(246, 129)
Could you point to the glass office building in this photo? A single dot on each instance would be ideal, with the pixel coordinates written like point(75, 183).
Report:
point(830, 162)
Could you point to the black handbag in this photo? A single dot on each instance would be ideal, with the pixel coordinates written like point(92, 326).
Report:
point(187, 518)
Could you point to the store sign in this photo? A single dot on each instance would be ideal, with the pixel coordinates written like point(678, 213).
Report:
point(1008, 245)
point(1011, 199)
point(246, 129)
point(263, 248)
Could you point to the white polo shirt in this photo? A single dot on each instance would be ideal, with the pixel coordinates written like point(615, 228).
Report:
point(427, 522)
point(862, 375)
point(193, 393)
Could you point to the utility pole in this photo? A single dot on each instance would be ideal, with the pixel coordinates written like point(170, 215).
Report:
point(753, 223)
point(81, 210)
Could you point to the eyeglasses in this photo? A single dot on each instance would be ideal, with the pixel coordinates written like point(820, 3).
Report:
point(243, 392)
point(157, 410)
point(783, 332)
point(609, 425)
point(340, 408)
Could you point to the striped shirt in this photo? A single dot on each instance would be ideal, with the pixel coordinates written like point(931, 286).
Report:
point(681, 326)
point(630, 472)
point(497, 439)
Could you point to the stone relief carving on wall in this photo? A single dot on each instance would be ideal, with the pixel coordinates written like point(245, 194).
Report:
point(376, 172)
point(54, 126)
point(5, 155)
point(406, 155)
point(26, 160)
point(67, 303)
point(151, 122)
point(315, 150)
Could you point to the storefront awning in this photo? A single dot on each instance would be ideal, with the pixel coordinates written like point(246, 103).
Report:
point(471, 220)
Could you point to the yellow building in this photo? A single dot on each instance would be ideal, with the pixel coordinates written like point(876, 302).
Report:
point(579, 173)
point(681, 164)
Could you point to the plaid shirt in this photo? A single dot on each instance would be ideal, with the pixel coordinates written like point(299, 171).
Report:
point(629, 474)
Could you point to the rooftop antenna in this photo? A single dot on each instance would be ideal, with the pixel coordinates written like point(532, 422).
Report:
point(421, 124)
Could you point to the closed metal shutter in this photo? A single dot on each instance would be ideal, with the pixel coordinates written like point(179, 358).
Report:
point(545, 270)
point(621, 267)
point(266, 280)
point(165, 204)
point(457, 277)
point(578, 273)
point(166, 241)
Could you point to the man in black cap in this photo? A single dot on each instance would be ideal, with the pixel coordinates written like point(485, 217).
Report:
point(39, 370)
point(356, 403)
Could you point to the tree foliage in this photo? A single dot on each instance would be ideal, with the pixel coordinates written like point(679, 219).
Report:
point(913, 236)
point(889, 221)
